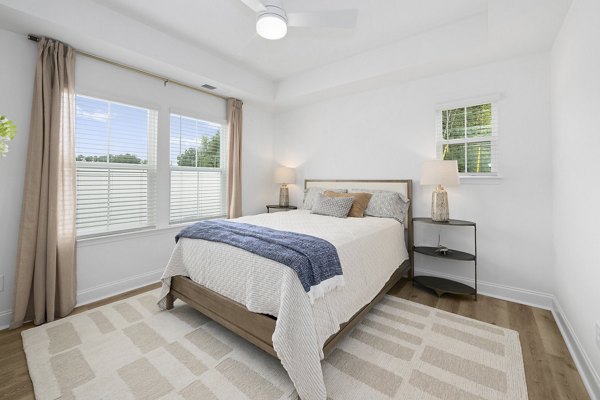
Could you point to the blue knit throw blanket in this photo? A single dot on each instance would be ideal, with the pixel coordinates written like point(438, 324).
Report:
point(313, 259)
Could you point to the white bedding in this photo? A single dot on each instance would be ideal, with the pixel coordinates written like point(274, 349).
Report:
point(370, 250)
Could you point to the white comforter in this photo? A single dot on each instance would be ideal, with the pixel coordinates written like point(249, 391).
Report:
point(370, 249)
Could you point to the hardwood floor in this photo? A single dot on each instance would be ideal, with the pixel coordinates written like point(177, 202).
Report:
point(549, 368)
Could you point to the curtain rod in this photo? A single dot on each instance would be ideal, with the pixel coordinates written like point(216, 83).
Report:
point(141, 71)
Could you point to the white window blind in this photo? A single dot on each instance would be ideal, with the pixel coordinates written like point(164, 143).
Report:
point(198, 169)
point(469, 135)
point(115, 147)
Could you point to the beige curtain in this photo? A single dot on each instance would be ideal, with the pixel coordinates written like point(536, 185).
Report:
point(234, 160)
point(45, 284)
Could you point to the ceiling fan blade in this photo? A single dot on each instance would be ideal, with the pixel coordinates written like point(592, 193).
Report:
point(255, 5)
point(324, 19)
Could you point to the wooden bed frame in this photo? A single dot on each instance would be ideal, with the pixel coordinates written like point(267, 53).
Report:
point(258, 328)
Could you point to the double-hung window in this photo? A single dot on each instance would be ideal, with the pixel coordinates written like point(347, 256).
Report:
point(198, 169)
point(469, 135)
point(115, 150)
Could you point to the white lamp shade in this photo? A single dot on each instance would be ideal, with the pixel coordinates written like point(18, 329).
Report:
point(271, 26)
point(285, 175)
point(440, 172)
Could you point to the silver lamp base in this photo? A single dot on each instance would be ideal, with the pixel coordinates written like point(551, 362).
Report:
point(439, 205)
point(284, 196)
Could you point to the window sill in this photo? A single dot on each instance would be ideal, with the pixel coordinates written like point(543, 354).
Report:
point(119, 237)
point(480, 179)
point(131, 235)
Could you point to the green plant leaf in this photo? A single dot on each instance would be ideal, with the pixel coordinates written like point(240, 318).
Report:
point(8, 131)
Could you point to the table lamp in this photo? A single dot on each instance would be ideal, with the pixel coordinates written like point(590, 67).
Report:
point(440, 173)
point(284, 176)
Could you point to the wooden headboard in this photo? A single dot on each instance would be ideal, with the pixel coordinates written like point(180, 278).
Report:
point(403, 186)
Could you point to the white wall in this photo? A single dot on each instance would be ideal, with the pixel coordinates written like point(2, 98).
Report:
point(17, 69)
point(109, 265)
point(257, 160)
point(576, 142)
point(387, 133)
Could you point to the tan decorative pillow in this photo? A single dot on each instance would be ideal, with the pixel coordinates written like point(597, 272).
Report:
point(359, 205)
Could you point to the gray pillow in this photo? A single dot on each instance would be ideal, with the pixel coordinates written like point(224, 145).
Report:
point(386, 204)
point(402, 195)
point(311, 194)
point(332, 206)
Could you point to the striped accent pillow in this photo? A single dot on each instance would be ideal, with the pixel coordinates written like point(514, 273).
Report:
point(338, 207)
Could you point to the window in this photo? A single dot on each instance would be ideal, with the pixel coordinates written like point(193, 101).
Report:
point(115, 150)
point(469, 135)
point(198, 169)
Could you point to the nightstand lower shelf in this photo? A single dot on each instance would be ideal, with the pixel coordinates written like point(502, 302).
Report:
point(442, 286)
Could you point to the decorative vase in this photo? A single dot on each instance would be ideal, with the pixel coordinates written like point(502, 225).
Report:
point(284, 196)
point(439, 205)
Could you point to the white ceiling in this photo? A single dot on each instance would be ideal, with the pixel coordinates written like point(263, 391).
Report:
point(214, 41)
point(227, 27)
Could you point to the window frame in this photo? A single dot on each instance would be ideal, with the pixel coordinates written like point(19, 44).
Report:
point(223, 163)
point(150, 167)
point(494, 100)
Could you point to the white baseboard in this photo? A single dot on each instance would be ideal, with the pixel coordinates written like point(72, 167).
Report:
point(588, 374)
point(103, 291)
point(509, 293)
point(117, 287)
point(5, 317)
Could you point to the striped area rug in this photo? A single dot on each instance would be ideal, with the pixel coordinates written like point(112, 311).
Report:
point(401, 350)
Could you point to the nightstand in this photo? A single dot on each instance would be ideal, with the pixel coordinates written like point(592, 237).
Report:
point(277, 208)
point(441, 285)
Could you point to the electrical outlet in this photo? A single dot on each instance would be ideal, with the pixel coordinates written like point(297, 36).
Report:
point(598, 334)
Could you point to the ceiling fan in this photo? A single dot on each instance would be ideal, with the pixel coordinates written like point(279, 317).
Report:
point(272, 21)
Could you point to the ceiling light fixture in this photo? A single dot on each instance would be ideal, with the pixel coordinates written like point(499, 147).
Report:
point(272, 23)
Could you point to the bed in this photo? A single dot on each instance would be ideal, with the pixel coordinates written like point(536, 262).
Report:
point(262, 301)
